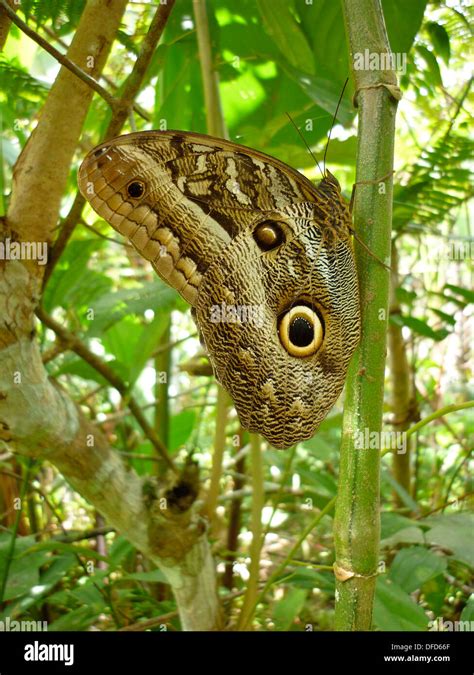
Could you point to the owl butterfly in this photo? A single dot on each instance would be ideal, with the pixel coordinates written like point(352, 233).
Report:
point(263, 256)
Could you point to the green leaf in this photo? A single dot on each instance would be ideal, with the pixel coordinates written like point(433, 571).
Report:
point(181, 427)
point(439, 39)
point(463, 292)
point(453, 532)
point(407, 535)
point(325, 93)
point(306, 577)
point(394, 610)
point(415, 565)
point(71, 276)
point(287, 35)
point(407, 499)
point(287, 609)
point(178, 89)
point(320, 479)
point(114, 306)
point(121, 341)
point(74, 365)
point(147, 344)
point(58, 567)
point(403, 20)
point(437, 187)
point(467, 613)
point(24, 569)
point(64, 547)
point(407, 297)
point(448, 318)
point(331, 422)
point(152, 576)
point(319, 447)
point(61, 563)
point(120, 549)
point(391, 523)
point(77, 619)
point(420, 327)
point(433, 74)
point(434, 592)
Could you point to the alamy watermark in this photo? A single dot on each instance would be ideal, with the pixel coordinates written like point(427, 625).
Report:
point(454, 250)
point(440, 254)
point(381, 440)
point(225, 313)
point(368, 60)
point(24, 250)
point(441, 625)
point(9, 625)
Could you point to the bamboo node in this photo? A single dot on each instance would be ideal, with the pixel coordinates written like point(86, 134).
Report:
point(344, 574)
point(393, 90)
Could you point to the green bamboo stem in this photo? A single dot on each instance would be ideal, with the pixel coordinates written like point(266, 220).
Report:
point(162, 409)
point(277, 498)
point(214, 116)
point(215, 127)
point(223, 402)
point(452, 407)
point(258, 502)
point(402, 394)
point(357, 523)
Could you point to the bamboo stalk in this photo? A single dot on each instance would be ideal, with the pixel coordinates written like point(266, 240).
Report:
point(162, 408)
point(403, 400)
point(214, 116)
point(258, 502)
point(223, 402)
point(357, 523)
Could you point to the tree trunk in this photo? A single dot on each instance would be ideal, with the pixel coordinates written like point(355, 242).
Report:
point(37, 418)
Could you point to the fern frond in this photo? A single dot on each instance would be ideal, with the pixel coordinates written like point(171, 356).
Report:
point(439, 183)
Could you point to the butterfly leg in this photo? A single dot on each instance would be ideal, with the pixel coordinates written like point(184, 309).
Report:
point(351, 204)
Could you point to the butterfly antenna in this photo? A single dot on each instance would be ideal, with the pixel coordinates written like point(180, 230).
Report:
point(304, 141)
point(333, 121)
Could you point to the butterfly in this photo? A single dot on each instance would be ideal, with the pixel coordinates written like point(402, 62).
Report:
point(263, 256)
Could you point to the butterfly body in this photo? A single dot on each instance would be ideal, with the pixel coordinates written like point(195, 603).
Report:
point(263, 256)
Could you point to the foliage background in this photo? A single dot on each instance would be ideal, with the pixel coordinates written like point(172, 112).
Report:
point(272, 57)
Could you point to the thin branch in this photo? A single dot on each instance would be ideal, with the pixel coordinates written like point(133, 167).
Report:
point(67, 228)
point(289, 557)
point(148, 623)
point(78, 347)
point(157, 620)
point(135, 79)
point(5, 23)
point(120, 112)
point(71, 537)
point(453, 407)
point(137, 108)
point(63, 60)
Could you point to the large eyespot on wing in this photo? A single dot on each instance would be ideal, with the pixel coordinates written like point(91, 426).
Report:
point(301, 331)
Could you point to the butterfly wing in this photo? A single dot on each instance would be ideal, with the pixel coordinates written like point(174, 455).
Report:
point(191, 204)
